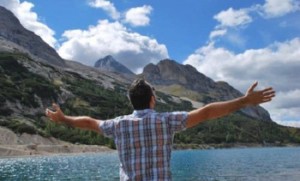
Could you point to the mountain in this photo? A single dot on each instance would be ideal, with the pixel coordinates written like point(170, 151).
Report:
point(108, 63)
point(185, 81)
point(33, 77)
point(17, 38)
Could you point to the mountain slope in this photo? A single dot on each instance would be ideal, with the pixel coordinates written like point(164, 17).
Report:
point(28, 87)
point(15, 33)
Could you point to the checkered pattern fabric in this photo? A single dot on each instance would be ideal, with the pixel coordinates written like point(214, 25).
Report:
point(144, 142)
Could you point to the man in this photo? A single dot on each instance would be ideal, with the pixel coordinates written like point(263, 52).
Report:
point(144, 138)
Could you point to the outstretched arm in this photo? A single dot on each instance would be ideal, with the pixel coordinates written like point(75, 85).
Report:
point(83, 122)
point(219, 109)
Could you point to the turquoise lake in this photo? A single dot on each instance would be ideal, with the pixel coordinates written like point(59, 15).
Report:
point(279, 164)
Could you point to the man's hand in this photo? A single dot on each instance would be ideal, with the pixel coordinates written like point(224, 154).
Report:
point(83, 122)
point(223, 108)
point(257, 97)
point(57, 115)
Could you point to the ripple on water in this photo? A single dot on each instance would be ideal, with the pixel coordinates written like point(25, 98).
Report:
point(223, 165)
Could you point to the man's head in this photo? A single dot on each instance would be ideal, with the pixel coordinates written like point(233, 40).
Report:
point(141, 95)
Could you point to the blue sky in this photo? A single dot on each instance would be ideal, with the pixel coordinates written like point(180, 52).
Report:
point(234, 41)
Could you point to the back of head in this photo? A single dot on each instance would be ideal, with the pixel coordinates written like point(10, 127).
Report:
point(140, 93)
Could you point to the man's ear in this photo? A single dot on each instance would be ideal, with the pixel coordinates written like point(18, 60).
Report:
point(152, 102)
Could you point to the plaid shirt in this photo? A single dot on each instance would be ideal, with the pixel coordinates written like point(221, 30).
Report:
point(144, 142)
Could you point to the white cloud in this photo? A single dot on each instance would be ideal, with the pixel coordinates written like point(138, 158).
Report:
point(285, 116)
point(229, 19)
point(216, 33)
point(270, 9)
point(107, 6)
point(107, 38)
point(277, 65)
point(287, 99)
point(290, 123)
point(273, 64)
point(285, 107)
point(29, 19)
point(232, 18)
point(275, 8)
point(236, 39)
point(138, 16)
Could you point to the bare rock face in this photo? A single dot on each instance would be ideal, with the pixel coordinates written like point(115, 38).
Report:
point(168, 72)
point(13, 31)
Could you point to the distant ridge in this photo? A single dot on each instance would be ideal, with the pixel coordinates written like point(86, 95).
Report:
point(108, 63)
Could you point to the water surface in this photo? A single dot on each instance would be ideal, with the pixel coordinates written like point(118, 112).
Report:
point(187, 165)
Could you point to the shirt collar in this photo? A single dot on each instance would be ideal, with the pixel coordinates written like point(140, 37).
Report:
point(144, 111)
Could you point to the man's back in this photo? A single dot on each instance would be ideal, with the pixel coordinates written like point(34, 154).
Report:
point(144, 138)
point(144, 142)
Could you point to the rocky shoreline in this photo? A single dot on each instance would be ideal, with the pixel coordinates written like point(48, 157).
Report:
point(28, 150)
point(25, 144)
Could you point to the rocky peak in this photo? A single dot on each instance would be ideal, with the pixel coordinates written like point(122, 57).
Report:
point(168, 74)
point(13, 31)
point(108, 63)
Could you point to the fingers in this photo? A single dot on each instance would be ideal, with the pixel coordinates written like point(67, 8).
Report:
point(252, 87)
point(268, 89)
point(266, 95)
point(268, 92)
point(51, 114)
point(266, 100)
point(56, 107)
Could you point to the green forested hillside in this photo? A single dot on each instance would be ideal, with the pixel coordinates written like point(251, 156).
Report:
point(237, 128)
point(27, 87)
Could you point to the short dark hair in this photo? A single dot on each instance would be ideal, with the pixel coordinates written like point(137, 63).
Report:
point(140, 93)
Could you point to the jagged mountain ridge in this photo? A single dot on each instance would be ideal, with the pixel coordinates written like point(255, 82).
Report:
point(13, 31)
point(108, 63)
point(169, 75)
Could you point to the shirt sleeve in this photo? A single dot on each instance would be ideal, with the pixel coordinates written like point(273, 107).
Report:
point(107, 128)
point(177, 121)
